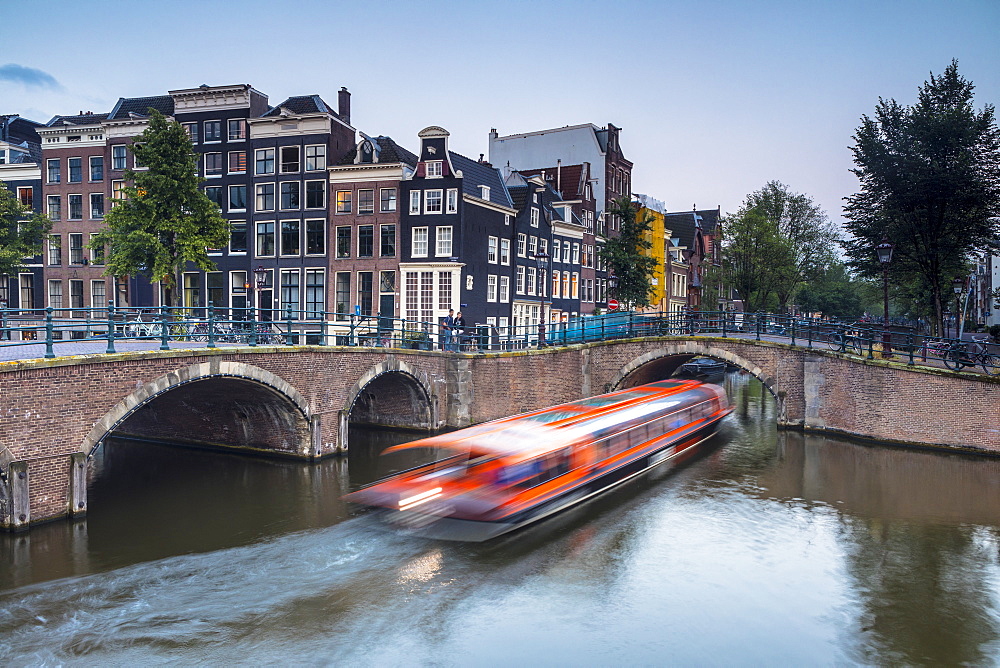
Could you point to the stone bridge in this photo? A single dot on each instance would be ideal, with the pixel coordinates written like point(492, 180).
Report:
point(298, 401)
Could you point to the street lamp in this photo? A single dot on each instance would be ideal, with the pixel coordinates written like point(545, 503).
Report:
point(260, 275)
point(542, 261)
point(958, 284)
point(612, 284)
point(884, 251)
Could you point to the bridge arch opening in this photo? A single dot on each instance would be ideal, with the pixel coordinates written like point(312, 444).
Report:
point(231, 406)
point(392, 398)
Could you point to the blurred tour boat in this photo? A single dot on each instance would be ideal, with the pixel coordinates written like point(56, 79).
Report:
point(502, 475)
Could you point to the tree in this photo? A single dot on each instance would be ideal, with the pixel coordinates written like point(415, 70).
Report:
point(834, 292)
point(162, 221)
point(757, 257)
point(930, 183)
point(21, 233)
point(627, 254)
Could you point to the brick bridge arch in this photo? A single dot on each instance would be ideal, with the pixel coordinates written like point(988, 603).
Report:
point(267, 392)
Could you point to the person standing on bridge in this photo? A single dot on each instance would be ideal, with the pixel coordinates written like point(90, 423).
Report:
point(447, 323)
point(457, 331)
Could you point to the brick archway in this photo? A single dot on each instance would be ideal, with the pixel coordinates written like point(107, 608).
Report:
point(215, 369)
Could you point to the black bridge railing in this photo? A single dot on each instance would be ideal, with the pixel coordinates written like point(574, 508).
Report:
point(213, 327)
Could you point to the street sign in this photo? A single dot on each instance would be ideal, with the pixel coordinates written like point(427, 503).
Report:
point(612, 304)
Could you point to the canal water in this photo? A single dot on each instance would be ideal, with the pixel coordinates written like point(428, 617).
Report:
point(773, 548)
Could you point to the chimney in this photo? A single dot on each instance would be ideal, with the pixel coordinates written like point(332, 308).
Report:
point(559, 175)
point(344, 105)
point(493, 133)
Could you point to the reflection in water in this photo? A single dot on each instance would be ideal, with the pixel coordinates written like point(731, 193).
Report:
point(773, 547)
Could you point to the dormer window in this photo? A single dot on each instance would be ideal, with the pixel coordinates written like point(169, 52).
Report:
point(367, 152)
point(434, 169)
point(484, 192)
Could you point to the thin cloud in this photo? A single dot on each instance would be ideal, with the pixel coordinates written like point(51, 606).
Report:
point(28, 76)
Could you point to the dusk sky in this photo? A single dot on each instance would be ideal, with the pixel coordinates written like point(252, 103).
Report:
point(714, 98)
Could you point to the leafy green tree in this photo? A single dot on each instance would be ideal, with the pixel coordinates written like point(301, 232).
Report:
point(21, 232)
point(833, 292)
point(163, 221)
point(759, 260)
point(628, 254)
point(930, 183)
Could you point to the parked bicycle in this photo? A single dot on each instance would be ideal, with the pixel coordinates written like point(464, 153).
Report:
point(961, 355)
point(846, 341)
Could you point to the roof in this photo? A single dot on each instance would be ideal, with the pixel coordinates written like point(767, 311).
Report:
point(682, 224)
point(568, 176)
point(475, 174)
point(301, 104)
point(389, 152)
point(21, 132)
point(140, 106)
point(518, 195)
point(79, 119)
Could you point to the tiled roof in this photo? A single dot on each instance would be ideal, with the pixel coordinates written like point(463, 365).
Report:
point(519, 196)
point(301, 104)
point(389, 152)
point(84, 119)
point(682, 226)
point(141, 105)
point(568, 175)
point(477, 174)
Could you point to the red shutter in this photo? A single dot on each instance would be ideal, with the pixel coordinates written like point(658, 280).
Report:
point(445, 168)
point(421, 170)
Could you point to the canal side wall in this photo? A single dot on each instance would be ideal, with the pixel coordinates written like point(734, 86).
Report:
point(295, 401)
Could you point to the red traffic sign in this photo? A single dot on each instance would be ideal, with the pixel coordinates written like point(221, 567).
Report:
point(613, 304)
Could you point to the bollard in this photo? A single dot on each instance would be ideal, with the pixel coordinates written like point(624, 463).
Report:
point(49, 354)
point(164, 330)
point(211, 325)
point(111, 327)
point(253, 326)
point(288, 326)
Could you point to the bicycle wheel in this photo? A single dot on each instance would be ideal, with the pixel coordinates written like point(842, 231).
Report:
point(953, 358)
point(990, 364)
point(855, 345)
point(836, 342)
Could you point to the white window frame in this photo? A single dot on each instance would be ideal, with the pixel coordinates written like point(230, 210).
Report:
point(419, 238)
point(414, 202)
point(492, 249)
point(204, 132)
point(505, 251)
point(439, 196)
point(222, 168)
point(556, 250)
point(316, 158)
point(452, 206)
point(257, 160)
point(484, 193)
point(519, 283)
point(491, 287)
point(230, 201)
point(443, 234)
point(534, 217)
point(434, 169)
point(522, 240)
point(504, 296)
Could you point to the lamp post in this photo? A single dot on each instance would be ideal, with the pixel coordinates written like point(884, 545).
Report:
point(259, 275)
point(612, 284)
point(542, 262)
point(884, 251)
point(958, 284)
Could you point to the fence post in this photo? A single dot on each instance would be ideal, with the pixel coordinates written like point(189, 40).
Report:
point(725, 321)
point(793, 329)
point(111, 327)
point(211, 325)
point(322, 329)
point(288, 326)
point(350, 337)
point(49, 354)
point(164, 330)
point(253, 325)
point(909, 346)
point(757, 324)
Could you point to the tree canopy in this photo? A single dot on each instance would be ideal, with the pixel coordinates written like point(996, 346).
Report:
point(162, 220)
point(776, 242)
point(930, 183)
point(627, 254)
point(21, 232)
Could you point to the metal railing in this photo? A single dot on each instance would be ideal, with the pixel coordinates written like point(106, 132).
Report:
point(213, 327)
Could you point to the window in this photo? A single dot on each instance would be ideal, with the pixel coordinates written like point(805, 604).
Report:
point(26, 286)
point(55, 294)
point(118, 153)
point(76, 249)
point(444, 290)
point(387, 241)
point(238, 237)
point(265, 161)
point(506, 219)
point(366, 201)
point(54, 207)
point(97, 168)
point(96, 206)
point(213, 131)
point(237, 129)
point(366, 282)
point(531, 280)
point(315, 158)
point(491, 288)
point(432, 201)
point(566, 252)
point(565, 285)
point(575, 285)
point(289, 159)
point(237, 162)
point(542, 285)
point(315, 237)
point(98, 294)
point(366, 240)
point(344, 201)
point(414, 202)
point(519, 285)
point(556, 250)
point(505, 251)
point(505, 289)
point(343, 242)
point(534, 217)
point(315, 294)
point(491, 250)
point(342, 293)
point(213, 164)
point(290, 194)
point(75, 170)
point(75, 207)
point(532, 246)
point(290, 244)
point(192, 130)
point(453, 200)
point(237, 198)
point(484, 192)
point(442, 241)
point(265, 239)
point(214, 193)
point(55, 250)
point(26, 196)
point(315, 194)
point(388, 197)
point(576, 253)
point(419, 242)
point(54, 170)
point(521, 240)
point(434, 169)
point(290, 293)
point(265, 197)
point(555, 284)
